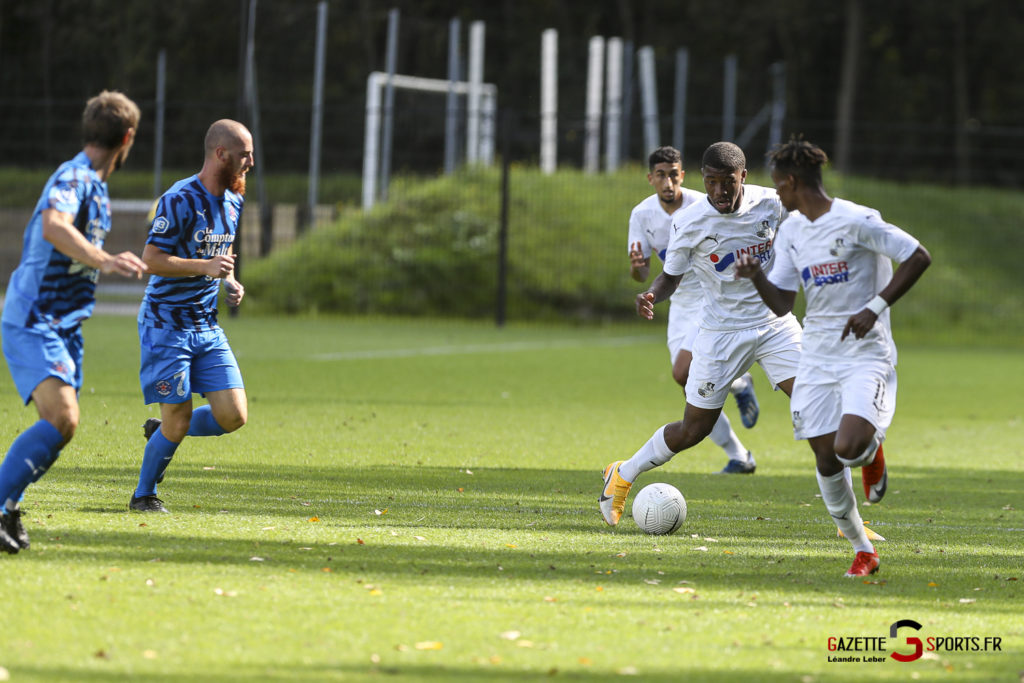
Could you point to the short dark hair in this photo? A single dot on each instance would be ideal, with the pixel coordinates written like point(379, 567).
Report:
point(724, 155)
point(664, 155)
point(107, 117)
point(799, 158)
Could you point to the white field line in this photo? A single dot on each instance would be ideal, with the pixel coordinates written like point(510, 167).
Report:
point(466, 349)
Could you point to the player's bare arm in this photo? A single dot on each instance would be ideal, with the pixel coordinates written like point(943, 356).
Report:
point(167, 265)
point(661, 289)
point(60, 231)
point(902, 280)
point(639, 265)
point(780, 301)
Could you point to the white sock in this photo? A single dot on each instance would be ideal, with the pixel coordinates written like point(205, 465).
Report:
point(741, 383)
point(848, 475)
point(868, 456)
point(652, 454)
point(842, 505)
point(724, 436)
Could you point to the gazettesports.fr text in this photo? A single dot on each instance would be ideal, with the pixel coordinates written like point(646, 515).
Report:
point(932, 644)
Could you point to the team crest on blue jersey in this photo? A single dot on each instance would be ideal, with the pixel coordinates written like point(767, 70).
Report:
point(706, 389)
point(163, 387)
point(59, 367)
point(160, 225)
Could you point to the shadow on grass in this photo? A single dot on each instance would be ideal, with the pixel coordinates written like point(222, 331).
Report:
point(542, 526)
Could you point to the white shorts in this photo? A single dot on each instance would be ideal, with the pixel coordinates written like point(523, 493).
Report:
point(719, 357)
point(823, 393)
point(683, 325)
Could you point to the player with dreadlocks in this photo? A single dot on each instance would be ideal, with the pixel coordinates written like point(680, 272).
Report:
point(845, 391)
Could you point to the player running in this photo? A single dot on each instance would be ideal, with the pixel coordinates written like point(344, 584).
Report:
point(650, 225)
point(53, 291)
point(184, 350)
point(845, 392)
point(736, 328)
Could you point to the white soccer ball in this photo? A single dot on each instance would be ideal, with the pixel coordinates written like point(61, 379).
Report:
point(659, 509)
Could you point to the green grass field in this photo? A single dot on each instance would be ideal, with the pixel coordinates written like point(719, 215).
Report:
point(417, 501)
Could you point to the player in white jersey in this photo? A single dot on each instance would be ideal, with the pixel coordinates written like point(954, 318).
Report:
point(650, 224)
point(845, 392)
point(736, 328)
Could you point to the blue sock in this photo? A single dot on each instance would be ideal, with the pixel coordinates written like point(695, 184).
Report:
point(203, 424)
point(158, 454)
point(29, 457)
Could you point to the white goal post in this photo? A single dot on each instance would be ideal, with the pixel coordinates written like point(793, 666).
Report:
point(483, 126)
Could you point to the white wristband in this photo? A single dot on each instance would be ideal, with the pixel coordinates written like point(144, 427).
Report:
point(877, 305)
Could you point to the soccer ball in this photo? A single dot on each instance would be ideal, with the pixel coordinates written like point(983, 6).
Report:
point(659, 509)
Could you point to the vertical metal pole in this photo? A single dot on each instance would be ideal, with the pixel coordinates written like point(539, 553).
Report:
point(592, 124)
point(729, 100)
point(161, 103)
point(613, 105)
point(266, 223)
point(679, 108)
point(390, 64)
point(649, 92)
point(487, 124)
point(371, 141)
point(778, 104)
point(451, 120)
point(549, 101)
point(502, 303)
point(627, 97)
point(317, 122)
point(476, 78)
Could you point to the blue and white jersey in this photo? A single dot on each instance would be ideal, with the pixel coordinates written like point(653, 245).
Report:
point(189, 223)
point(48, 286)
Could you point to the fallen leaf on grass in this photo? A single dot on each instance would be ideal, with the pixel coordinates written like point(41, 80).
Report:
point(932, 584)
point(524, 643)
point(326, 570)
point(628, 671)
point(967, 601)
point(224, 593)
point(653, 582)
point(255, 559)
point(380, 512)
point(419, 538)
point(376, 591)
point(510, 635)
point(429, 645)
point(101, 654)
point(268, 528)
point(149, 654)
point(728, 552)
point(211, 467)
point(600, 588)
point(461, 490)
point(702, 548)
point(548, 598)
point(511, 545)
point(314, 519)
point(585, 661)
point(684, 589)
point(360, 541)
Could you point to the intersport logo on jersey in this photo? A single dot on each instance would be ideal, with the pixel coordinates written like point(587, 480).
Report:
point(762, 251)
point(826, 273)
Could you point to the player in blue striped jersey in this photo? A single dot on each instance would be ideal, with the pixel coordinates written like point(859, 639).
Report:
point(53, 291)
point(184, 350)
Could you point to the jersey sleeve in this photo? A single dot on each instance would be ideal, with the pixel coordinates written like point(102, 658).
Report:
point(784, 274)
point(638, 234)
point(170, 222)
point(67, 192)
point(885, 238)
point(679, 254)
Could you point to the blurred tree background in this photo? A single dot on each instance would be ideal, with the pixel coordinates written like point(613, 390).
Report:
point(929, 90)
